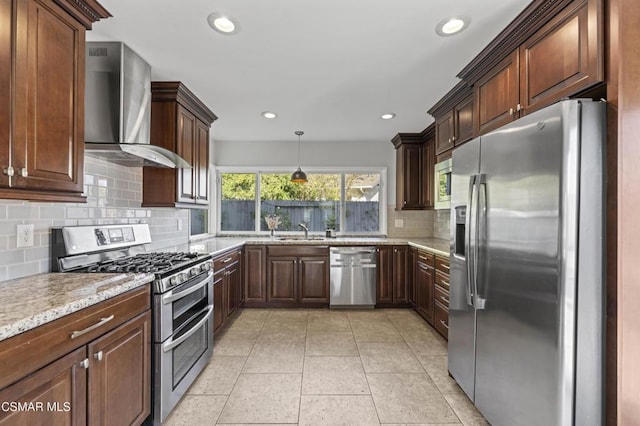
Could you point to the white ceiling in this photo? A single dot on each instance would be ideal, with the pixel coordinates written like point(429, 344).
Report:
point(327, 67)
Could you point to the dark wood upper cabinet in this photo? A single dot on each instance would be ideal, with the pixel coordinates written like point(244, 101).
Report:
point(445, 133)
point(497, 95)
point(453, 118)
point(553, 49)
point(563, 57)
point(415, 158)
point(42, 68)
point(180, 122)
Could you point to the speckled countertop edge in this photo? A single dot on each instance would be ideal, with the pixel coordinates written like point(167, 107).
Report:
point(29, 302)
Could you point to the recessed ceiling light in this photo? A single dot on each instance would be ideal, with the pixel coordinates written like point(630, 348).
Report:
point(222, 24)
point(269, 114)
point(388, 116)
point(451, 26)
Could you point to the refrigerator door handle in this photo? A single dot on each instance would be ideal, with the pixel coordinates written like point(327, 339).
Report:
point(469, 252)
point(481, 229)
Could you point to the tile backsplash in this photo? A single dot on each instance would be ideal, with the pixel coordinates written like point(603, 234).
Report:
point(418, 223)
point(114, 195)
point(441, 224)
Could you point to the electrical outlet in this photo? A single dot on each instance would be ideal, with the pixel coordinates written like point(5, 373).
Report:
point(24, 235)
point(179, 224)
point(399, 223)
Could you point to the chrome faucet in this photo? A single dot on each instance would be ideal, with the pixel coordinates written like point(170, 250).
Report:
point(303, 225)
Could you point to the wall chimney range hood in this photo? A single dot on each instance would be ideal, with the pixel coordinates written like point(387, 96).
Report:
point(118, 108)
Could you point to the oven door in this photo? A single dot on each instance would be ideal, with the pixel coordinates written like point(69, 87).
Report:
point(180, 359)
point(173, 308)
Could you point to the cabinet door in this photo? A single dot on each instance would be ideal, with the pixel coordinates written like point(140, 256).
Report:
point(120, 374)
point(6, 12)
point(400, 275)
point(561, 58)
point(424, 291)
point(412, 257)
point(49, 99)
point(255, 276)
point(428, 177)
point(411, 177)
point(281, 282)
point(496, 96)
point(233, 284)
point(444, 133)
point(62, 389)
point(201, 165)
point(384, 289)
point(186, 146)
point(463, 118)
point(218, 301)
point(314, 279)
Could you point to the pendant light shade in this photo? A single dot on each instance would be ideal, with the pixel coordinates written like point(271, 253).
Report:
point(299, 176)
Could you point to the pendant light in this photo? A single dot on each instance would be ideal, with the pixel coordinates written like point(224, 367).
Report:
point(299, 176)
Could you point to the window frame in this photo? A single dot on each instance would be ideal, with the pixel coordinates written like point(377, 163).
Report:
point(382, 217)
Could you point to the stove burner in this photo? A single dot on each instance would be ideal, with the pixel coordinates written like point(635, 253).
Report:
point(144, 262)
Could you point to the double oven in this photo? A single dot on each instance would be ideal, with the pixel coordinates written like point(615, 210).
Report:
point(182, 299)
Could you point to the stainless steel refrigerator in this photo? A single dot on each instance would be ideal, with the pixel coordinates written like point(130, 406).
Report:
point(526, 314)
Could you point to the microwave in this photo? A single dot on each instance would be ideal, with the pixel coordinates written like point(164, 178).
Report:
point(442, 185)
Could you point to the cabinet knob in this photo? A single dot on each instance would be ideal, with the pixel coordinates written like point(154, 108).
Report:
point(519, 107)
point(24, 172)
point(85, 363)
point(453, 139)
point(98, 356)
point(511, 111)
point(405, 202)
point(9, 171)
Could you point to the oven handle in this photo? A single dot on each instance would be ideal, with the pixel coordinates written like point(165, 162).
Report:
point(170, 344)
point(170, 297)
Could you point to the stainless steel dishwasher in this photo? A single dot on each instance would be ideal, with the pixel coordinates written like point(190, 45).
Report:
point(353, 277)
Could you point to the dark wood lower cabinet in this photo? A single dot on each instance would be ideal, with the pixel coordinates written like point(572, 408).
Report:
point(120, 374)
point(392, 289)
point(218, 301)
point(281, 281)
point(61, 386)
point(232, 282)
point(412, 258)
point(424, 291)
point(314, 279)
point(103, 379)
point(255, 274)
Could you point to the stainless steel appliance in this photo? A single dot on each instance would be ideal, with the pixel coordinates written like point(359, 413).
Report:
point(182, 301)
point(118, 108)
point(526, 312)
point(353, 277)
point(442, 187)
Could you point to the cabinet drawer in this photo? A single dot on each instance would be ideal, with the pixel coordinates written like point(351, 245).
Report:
point(441, 323)
point(426, 257)
point(29, 351)
point(442, 296)
point(442, 280)
point(297, 251)
point(225, 259)
point(442, 264)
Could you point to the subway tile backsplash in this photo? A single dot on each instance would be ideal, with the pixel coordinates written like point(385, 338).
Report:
point(114, 196)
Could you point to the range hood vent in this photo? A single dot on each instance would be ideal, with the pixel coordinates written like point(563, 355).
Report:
point(118, 108)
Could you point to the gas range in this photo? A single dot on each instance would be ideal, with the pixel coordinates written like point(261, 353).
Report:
point(182, 302)
point(122, 248)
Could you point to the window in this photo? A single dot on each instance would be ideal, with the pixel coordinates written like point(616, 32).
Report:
point(348, 202)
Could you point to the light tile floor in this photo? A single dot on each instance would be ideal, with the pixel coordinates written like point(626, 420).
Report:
point(321, 367)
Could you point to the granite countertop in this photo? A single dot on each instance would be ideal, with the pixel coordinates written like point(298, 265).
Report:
point(217, 245)
point(29, 302)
